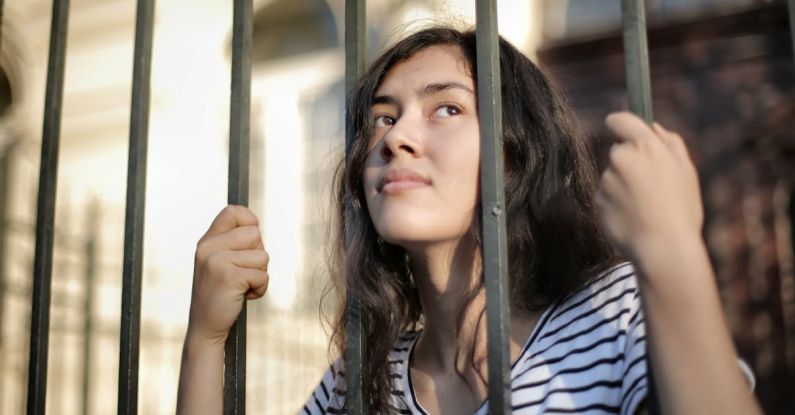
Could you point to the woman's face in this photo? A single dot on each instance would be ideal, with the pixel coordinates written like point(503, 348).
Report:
point(421, 178)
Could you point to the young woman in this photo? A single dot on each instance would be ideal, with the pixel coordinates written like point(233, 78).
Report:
point(582, 320)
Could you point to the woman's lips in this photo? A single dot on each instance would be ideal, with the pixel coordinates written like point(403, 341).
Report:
point(401, 179)
point(399, 186)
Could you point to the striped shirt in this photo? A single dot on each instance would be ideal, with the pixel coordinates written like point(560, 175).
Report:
point(586, 355)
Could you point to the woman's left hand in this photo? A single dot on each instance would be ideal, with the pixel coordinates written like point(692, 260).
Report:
point(649, 193)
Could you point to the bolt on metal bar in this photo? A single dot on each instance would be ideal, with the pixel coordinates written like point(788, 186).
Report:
point(355, 35)
point(636, 61)
point(45, 213)
point(129, 340)
point(238, 190)
point(495, 246)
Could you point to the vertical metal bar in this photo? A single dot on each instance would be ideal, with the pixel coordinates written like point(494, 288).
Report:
point(88, 307)
point(1, 22)
point(129, 344)
point(791, 6)
point(239, 143)
point(636, 61)
point(636, 58)
point(355, 35)
point(495, 248)
point(45, 213)
point(5, 184)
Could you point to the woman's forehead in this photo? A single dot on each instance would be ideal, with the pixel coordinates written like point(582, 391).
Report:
point(431, 65)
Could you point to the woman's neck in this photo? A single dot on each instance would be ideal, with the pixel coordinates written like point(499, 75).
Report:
point(446, 278)
point(453, 341)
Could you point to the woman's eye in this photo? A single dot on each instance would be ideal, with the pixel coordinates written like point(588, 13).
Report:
point(447, 111)
point(383, 121)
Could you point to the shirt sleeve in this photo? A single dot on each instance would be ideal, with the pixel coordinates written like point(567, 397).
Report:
point(329, 395)
point(748, 373)
point(634, 385)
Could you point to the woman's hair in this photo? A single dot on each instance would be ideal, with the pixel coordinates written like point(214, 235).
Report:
point(555, 242)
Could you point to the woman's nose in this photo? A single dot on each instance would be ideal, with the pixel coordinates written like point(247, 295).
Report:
point(401, 139)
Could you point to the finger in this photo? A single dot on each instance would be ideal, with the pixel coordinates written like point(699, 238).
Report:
point(240, 238)
point(257, 293)
point(255, 280)
point(674, 142)
point(621, 158)
point(665, 138)
point(600, 199)
point(231, 217)
point(628, 127)
point(250, 258)
point(607, 184)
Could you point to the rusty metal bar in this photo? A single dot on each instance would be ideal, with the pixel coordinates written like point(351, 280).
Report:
point(355, 35)
point(636, 61)
point(45, 212)
point(129, 341)
point(239, 144)
point(495, 245)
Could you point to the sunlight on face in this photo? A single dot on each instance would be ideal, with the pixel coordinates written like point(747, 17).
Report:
point(421, 178)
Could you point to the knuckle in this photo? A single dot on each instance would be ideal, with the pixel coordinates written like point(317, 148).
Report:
point(228, 274)
point(604, 183)
point(252, 234)
point(251, 213)
point(261, 256)
point(616, 153)
point(202, 251)
point(241, 235)
point(241, 212)
point(216, 263)
point(228, 210)
point(603, 179)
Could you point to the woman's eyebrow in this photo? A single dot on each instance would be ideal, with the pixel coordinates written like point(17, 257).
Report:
point(435, 87)
point(425, 91)
point(384, 99)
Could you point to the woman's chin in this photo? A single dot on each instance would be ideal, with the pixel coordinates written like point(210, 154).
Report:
point(416, 239)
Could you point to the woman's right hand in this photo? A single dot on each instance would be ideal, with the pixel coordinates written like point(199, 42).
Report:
point(231, 266)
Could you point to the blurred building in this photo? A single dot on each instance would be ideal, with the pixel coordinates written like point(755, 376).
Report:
point(297, 134)
point(723, 75)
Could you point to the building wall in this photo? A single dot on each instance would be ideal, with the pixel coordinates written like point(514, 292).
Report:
point(297, 128)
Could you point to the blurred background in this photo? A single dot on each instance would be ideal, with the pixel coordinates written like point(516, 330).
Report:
point(723, 75)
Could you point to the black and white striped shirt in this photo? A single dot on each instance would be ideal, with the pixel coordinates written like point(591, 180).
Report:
point(586, 355)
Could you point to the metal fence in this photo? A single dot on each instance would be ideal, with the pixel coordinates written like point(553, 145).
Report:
point(494, 241)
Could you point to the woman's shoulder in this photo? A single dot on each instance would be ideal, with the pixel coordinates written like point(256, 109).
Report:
point(400, 354)
point(613, 281)
point(329, 395)
point(590, 345)
point(610, 300)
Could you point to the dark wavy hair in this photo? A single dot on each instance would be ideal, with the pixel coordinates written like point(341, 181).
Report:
point(555, 242)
